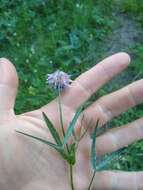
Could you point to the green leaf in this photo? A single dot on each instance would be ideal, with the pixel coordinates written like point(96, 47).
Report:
point(72, 125)
point(52, 130)
point(109, 158)
point(57, 147)
point(93, 146)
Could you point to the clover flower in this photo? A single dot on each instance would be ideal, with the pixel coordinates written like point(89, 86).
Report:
point(59, 80)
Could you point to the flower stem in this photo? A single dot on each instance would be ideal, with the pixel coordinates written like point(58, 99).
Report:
point(63, 131)
point(61, 118)
point(91, 180)
point(61, 115)
point(71, 177)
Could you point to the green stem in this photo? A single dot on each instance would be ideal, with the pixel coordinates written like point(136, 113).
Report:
point(61, 115)
point(71, 177)
point(61, 118)
point(91, 180)
point(63, 131)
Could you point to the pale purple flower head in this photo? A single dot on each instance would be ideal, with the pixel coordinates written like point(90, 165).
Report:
point(58, 80)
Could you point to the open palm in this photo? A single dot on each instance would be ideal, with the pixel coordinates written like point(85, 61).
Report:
point(26, 164)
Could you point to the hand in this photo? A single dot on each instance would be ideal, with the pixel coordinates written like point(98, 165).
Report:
point(27, 164)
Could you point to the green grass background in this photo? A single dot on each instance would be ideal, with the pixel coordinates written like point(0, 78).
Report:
point(40, 36)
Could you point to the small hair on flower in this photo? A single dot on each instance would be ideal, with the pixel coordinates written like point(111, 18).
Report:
point(59, 80)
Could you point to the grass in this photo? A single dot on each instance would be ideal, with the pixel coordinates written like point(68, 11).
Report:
point(42, 36)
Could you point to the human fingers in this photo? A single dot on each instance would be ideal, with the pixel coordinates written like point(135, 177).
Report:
point(8, 88)
point(119, 137)
point(111, 105)
point(116, 180)
point(90, 81)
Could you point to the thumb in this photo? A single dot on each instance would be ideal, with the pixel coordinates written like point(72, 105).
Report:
point(8, 85)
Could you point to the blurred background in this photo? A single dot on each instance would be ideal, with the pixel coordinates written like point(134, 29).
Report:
point(41, 36)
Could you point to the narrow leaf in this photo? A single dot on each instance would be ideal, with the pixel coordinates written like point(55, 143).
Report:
point(70, 129)
point(93, 146)
point(109, 158)
point(58, 148)
point(52, 129)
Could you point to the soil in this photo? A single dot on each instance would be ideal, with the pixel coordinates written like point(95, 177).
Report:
point(127, 34)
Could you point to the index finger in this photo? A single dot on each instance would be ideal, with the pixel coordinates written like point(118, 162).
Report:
point(90, 81)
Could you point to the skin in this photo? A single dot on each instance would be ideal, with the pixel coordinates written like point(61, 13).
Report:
point(26, 164)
